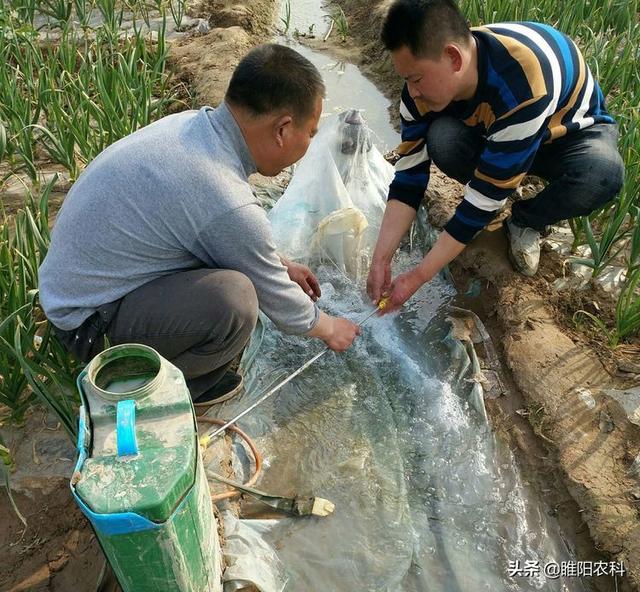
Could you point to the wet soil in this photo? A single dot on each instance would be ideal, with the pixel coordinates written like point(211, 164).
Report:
point(57, 551)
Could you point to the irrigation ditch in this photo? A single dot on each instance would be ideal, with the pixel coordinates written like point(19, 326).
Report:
point(575, 435)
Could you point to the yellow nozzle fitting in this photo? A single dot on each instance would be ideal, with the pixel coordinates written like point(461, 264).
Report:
point(382, 304)
point(205, 441)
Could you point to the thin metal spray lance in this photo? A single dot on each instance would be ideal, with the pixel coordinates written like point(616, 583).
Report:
point(207, 438)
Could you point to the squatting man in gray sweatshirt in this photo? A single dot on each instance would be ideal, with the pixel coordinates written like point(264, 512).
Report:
point(160, 241)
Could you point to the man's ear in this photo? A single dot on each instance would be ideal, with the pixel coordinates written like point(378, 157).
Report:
point(455, 56)
point(282, 126)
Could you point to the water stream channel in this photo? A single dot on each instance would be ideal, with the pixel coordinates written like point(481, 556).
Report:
point(346, 87)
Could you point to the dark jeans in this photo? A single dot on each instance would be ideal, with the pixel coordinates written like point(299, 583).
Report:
point(199, 320)
point(584, 169)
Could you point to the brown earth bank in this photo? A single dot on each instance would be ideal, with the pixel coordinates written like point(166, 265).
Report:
point(206, 62)
point(591, 446)
point(57, 550)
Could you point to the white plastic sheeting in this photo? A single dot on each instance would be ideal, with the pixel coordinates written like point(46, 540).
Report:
point(332, 209)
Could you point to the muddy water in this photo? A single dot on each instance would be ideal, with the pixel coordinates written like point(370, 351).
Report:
point(346, 87)
point(426, 497)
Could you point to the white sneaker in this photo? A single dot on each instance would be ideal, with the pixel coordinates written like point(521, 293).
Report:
point(524, 247)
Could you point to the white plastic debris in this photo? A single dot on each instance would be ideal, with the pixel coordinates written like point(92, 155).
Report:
point(586, 397)
point(559, 240)
point(629, 400)
point(332, 209)
point(612, 278)
point(578, 275)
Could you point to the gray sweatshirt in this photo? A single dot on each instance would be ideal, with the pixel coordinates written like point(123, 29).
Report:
point(171, 197)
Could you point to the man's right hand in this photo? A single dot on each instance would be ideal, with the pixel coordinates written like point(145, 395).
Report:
point(343, 334)
point(378, 281)
point(336, 332)
point(396, 221)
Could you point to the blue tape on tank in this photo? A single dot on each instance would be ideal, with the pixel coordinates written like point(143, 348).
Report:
point(84, 435)
point(124, 522)
point(83, 438)
point(119, 523)
point(126, 428)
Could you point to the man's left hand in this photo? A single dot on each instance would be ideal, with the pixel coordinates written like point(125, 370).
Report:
point(402, 288)
point(305, 278)
point(445, 250)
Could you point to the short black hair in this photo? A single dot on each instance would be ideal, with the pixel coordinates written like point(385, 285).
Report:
point(272, 77)
point(424, 26)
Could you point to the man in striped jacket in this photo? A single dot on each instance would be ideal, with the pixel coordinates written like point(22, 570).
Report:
point(489, 105)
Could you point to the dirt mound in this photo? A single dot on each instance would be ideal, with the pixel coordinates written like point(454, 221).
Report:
point(57, 551)
point(254, 16)
point(206, 62)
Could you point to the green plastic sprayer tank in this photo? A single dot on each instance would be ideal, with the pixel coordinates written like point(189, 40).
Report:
point(139, 477)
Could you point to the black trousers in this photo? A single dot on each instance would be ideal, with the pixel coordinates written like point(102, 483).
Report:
point(199, 320)
point(584, 170)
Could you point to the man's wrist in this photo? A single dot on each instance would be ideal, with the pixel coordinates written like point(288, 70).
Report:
point(381, 259)
point(323, 329)
point(284, 261)
point(423, 273)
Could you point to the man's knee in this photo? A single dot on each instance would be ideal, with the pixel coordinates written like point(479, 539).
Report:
point(611, 178)
point(602, 171)
point(600, 182)
point(234, 295)
point(453, 147)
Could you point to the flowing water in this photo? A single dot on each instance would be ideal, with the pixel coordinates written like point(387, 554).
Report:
point(347, 88)
point(426, 498)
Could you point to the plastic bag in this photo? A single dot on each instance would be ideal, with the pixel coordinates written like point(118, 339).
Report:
point(333, 207)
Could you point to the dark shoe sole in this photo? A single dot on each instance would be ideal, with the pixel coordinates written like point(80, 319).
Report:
point(201, 408)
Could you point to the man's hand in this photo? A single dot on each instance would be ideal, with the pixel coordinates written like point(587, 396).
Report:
point(397, 220)
point(378, 281)
point(304, 277)
point(445, 249)
point(402, 288)
point(337, 333)
point(343, 334)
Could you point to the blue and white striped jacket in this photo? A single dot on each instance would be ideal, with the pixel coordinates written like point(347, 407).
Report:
point(533, 87)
